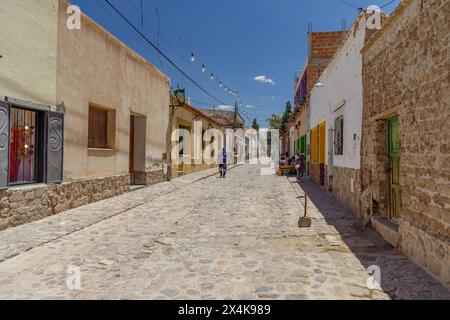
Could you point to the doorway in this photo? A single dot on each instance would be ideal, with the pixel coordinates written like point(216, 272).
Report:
point(137, 150)
point(25, 149)
point(394, 145)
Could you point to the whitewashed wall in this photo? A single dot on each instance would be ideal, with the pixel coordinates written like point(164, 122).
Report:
point(342, 81)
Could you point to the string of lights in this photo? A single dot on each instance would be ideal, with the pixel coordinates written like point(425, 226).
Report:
point(161, 53)
point(180, 79)
point(193, 59)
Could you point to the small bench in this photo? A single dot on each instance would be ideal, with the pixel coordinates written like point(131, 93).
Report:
point(286, 170)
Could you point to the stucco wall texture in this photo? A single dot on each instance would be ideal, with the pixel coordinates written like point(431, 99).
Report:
point(96, 68)
point(28, 41)
point(45, 62)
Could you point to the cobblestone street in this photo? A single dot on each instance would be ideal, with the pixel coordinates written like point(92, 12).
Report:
point(201, 237)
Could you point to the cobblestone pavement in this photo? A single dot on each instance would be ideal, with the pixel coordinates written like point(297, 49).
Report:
point(201, 237)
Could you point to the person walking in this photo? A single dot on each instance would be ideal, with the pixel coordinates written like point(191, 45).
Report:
point(300, 165)
point(223, 161)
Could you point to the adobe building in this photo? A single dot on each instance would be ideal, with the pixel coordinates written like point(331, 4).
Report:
point(184, 120)
point(336, 108)
point(82, 116)
point(405, 179)
point(321, 48)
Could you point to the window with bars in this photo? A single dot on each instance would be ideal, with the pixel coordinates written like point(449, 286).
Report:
point(339, 136)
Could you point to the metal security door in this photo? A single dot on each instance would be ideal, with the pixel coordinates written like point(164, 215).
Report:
point(4, 144)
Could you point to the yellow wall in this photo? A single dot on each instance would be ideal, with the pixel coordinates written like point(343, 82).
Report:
point(322, 142)
point(185, 117)
point(318, 144)
point(28, 44)
point(314, 145)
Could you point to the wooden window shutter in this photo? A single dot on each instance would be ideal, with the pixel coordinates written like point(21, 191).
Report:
point(54, 147)
point(4, 144)
point(98, 128)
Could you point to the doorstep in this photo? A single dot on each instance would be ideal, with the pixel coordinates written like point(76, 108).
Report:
point(387, 229)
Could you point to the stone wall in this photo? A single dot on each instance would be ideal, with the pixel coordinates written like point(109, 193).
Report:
point(152, 175)
point(406, 72)
point(315, 173)
point(342, 188)
point(19, 205)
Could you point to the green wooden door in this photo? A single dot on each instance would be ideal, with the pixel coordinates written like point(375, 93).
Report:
point(394, 168)
point(303, 144)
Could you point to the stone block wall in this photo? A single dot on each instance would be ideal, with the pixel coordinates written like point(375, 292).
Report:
point(152, 175)
point(342, 188)
point(19, 205)
point(316, 171)
point(406, 71)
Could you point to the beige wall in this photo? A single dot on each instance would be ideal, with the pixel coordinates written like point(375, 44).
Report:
point(185, 117)
point(28, 44)
point(94, 67)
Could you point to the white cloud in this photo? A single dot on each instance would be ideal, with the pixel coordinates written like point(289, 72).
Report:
point(249, 106)
point(264, 79)
point(228, 108)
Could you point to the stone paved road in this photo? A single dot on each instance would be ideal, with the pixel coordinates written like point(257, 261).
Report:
point(201, 237)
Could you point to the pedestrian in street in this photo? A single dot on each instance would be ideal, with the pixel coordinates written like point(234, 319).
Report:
point(223, 161)
point(300, 165)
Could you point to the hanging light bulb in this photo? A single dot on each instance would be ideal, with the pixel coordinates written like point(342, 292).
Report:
point(192, 57)
point(212, 76)
point(203, 68)
point(226, 89)
point(221, 85)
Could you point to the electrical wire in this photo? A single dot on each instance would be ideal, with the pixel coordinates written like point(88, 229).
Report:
point(162, 53)
point(390, 2)
point(173, 48)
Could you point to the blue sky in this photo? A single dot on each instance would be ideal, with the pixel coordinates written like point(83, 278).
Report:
point(237, 40)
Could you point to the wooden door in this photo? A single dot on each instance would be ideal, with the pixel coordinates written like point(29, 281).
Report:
point(394, 168)
point(131, 152)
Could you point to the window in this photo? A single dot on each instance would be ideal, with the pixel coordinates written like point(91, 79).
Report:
point(101, 128)
point(339, 136)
